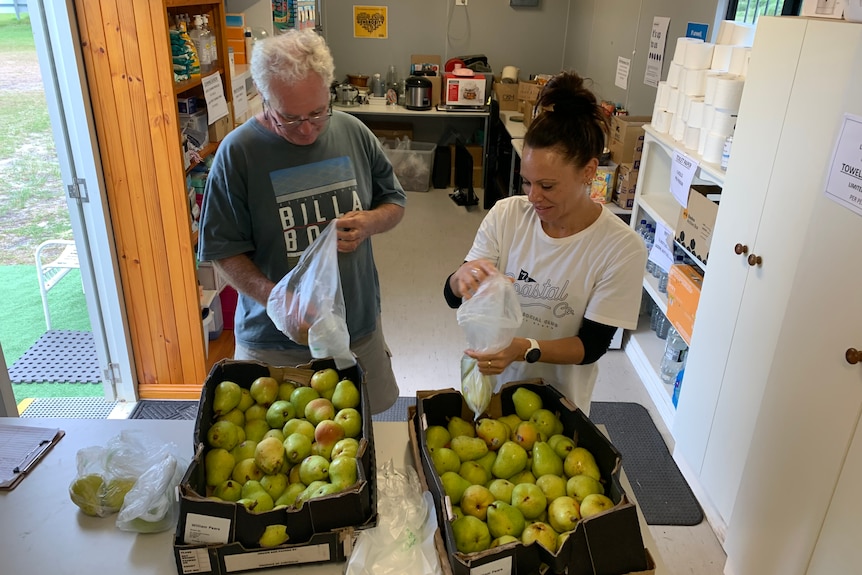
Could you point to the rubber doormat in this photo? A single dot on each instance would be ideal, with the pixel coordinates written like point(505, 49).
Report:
point(662, 493)
point(398, 412)
point(58, 356)
point(70, 407)
point(165, 409)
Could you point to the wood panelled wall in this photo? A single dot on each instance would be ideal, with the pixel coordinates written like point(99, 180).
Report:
point(128, 67)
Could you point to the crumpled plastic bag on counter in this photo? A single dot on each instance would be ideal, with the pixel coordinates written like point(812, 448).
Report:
point(489, 319)
point(402, 543)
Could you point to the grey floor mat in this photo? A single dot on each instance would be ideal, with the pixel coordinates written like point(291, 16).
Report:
point(398, 412)
point(662, 493)
point(70, 407)
point(164, 409)
point(58, 356)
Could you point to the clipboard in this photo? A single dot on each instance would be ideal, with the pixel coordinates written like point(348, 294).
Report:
point(21, 448)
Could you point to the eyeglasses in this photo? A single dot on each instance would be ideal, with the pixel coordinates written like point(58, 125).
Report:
point(296, 121)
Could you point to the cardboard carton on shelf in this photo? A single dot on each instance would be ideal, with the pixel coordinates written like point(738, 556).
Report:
point(222, 536)
point(626, 138)
point(609, 543)
point(696, 221)
point(627, 179)
point(506, 94)
point(683, 295)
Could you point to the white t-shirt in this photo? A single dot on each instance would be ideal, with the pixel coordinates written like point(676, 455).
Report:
point(596, 273)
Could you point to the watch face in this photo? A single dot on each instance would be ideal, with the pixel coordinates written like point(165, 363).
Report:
point(533, 355)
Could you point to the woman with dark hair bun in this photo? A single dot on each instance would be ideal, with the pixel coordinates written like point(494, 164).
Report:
point(576, 267)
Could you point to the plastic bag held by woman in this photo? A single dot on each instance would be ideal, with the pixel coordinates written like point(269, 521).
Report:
point(307, 304)
point(489, 319)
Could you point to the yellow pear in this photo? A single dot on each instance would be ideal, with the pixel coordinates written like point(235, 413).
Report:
point(273, 536)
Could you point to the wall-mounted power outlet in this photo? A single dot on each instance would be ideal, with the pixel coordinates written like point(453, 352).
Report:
point(460, 2)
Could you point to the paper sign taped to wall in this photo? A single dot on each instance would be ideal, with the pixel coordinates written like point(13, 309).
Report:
point(371, 22)
point(844, 182)
point(214, 95)
point(655, 55)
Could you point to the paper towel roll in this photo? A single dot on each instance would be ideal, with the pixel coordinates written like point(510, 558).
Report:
point(713, 148)
point(745, 65)
point(673, 73)
point(510, 74)
point(677, 128)
point(692, 137)
point(694, 118)
point(708, 117)
point(661, 120)
point(672, 99)
point(661, 96)
point(686, 107)
point(682, 44)
point(725, 32)
point(737, 60)
point(701, 144)
point(723, 122)
point(743, 34)
point(680, 105)
point(711, 83)
point(695, 82)
point(698, 56)
point(728, 93)
point(721, 57)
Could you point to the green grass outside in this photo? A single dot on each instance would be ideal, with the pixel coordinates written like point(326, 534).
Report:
point(16, 35)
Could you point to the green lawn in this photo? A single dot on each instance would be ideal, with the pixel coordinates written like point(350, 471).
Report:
point(15, 35)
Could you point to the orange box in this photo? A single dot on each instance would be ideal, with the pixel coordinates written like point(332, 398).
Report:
point(234, 33)
point(238, 51)
point(683, 294)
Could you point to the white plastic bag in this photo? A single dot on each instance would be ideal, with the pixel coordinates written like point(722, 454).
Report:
point(489, 319)
point(307, 304)
point(403, 541)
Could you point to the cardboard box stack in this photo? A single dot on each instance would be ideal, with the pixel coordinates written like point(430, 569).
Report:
point(235, 32)
point(506, 94)
point(609, 543)
point(528, 94)
point(683, 295)
point(695, 224)
point(626, 144)
point(219, 537)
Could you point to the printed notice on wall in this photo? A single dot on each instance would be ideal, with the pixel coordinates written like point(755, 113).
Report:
point(214, 95)
point(371, 22)
point(655, 55)
point(622, 76)
point(844, 182)
point(240, 100)
point(682, 171)
point(661, 253)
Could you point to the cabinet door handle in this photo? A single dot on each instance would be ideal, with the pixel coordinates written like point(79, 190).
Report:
point(853, 356)
point(740, 249)
point(754, 260)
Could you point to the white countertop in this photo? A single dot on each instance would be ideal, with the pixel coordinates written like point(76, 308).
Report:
point(396, 110)
point(43, 533)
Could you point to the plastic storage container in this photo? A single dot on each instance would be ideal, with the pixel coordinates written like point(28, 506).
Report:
point(411, 165)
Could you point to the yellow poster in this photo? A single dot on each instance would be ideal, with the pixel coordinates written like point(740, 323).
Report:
point(370, 21)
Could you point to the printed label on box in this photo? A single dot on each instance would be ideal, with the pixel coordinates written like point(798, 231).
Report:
point(195, 560)
point(206, 529)
point(277, 557)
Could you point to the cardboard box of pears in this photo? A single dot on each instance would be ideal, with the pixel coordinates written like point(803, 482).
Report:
point(220, 537)
point(609, 542)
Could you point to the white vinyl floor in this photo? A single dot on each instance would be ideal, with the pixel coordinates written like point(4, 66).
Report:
point(413, 261)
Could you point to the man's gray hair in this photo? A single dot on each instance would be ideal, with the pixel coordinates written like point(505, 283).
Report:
point(288, 58)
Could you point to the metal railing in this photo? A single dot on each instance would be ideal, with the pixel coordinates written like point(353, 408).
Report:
point(17, 6)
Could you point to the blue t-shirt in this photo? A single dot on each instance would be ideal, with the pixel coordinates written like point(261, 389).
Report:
point(269, 199)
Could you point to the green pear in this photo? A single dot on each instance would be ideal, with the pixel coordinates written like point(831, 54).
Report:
point(228, 490)
point(345, 395)
point(273, 536)
point(324, 490)
point(288, 497)
point(223, 434)
point(235, 416)
point(525, 476)
point(579, 486)
point(324, 381)
point(526, 435)
point(545, 421)
point(458, 426)
point(552, 486)
point(300, 398)
point(505, 519)
point(564, 514)
point(493, 432)
point(244, 450)
point(468, 448)
point(473, 472)
point(502, 489)
point(545, 460)
point(285, 388)
point(581, 461)
point(279, 413)
point(526, 402)
point(85, 492)
point(250, 488)
point(529, 499)
point(298, 425)
point(504, 540)
point(456, 512)
point(245, 400)
point(437, 436)
point(343, 472)
point(297, 447)
point(115, 491)
point(259, 502)
point(314, 468)
point(454, 486)
point(218, 465)
point(306, 493)
point(444, 459)
point(594, 504)
point(511, 459)
point(475, 501)
point(561, 444)
point(324, 450)
point(246, 470)
point(276, 433)
point(264, 390)
point(226, 397)
point(269, 455)
point(255, 411)
point(541, 533)
point(511, 421)
point(471, 534)
point(487, 461)
point(274, 484)
point(256, 429)
point(347, 447)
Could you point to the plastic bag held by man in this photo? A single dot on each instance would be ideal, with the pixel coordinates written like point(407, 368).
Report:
point(489, 319)
point(307, 304)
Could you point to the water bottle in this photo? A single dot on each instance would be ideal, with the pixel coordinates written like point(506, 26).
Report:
point(662, 281)
point(677, 384)
point(650, 238)
point(675, 351)
point(663, 327)
point(653, 318)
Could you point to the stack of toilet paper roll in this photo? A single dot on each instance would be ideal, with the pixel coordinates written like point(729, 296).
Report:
point(697, 104)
